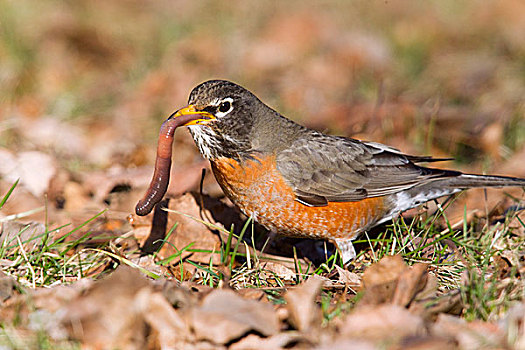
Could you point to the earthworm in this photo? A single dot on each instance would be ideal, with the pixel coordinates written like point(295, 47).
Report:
point(161, 176)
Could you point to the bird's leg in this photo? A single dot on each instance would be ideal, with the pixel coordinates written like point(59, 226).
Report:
point(346, 249)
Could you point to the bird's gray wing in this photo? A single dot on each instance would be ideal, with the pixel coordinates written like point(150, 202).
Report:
point(322, 168)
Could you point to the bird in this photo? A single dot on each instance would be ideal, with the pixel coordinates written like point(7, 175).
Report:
point(299, 182)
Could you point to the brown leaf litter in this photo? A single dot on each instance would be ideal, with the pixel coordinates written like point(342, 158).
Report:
point(127, 310)
point(303, 313)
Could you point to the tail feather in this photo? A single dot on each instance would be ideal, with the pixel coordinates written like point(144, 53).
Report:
point(444, 186)
point(465, 181)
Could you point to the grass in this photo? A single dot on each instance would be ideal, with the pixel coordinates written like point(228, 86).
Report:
point(46, 259)
point(490, 289)
point(461, 258)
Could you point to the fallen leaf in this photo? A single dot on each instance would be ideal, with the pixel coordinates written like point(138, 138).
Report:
point(345, 344)
point(304, 313)
point(101, 184)
point(278, 341)
point(42, 307)
point(171, 330)
point(75, 196)
point(426, 343)
point(179, 295)
point(44, 131)
point(348, 278)
point(380, 279)
point(123, 311)
point(280, 270)
point(53, 299)
point(513, 324)
point(469, 335)
point(491, 140)
point(21, 201)
point(382, 322)
point(34, 169)
point(148, 262)
point(224, 316)
point(391, 281)
point(412, 281)
point(101, 319)
point(252, 293)
point(430, 308)
point(7, 286)
point(386, 270)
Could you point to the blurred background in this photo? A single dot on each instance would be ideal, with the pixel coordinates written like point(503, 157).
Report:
point(85, 85)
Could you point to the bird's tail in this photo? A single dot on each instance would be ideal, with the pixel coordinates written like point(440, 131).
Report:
point(465, 181)
point(444, 186)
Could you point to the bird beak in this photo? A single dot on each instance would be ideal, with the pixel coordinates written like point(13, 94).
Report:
point(192, 115)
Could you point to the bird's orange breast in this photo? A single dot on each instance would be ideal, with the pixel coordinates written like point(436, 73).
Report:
point(260, 191)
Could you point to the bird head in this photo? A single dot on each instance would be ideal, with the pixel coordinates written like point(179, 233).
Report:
point(225, 118)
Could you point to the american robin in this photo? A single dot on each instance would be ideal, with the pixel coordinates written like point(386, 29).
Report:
point(300, 182)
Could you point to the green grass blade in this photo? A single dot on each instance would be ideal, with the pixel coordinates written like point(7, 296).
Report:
point(8, 194)
point(172, 257)
point(241, 235)
point(207, 270)
point(61, 239)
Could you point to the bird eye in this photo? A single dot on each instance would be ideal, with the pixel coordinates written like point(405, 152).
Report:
point(225, 106)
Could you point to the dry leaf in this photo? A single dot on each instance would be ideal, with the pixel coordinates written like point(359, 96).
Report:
point(22, 201)
point(34, 169)
point(473, 335)
point(391, 281)
point(380, 279)
point(348, 278)
point(171, 330)
point(280, 270)
point(43, 133)
point(178, 295)
point(304, 313)
point(386, 270)
point(430, 308)
point(409, 284)
point(426, 343)
point(75, 196)
point(53, 299)
point(224, 316)
point(7, 286)
point(278, 341)
point(121, 311)
point(42, 309)
point(513, 324)
point(345, 344)
point(382, 322)
point(101, 319)
point(148, 262)
point(251, 293)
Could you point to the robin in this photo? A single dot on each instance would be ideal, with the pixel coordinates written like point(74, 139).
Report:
point(300, 182)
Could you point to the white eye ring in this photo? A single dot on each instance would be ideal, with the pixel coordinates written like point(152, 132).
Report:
point(225, 104)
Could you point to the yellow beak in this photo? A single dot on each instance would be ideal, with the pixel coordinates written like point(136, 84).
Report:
point(193, 116)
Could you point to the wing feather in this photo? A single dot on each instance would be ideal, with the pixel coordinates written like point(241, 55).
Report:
point(323, 168)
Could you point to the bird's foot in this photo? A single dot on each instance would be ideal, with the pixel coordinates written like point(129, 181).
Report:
point(346, 249)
